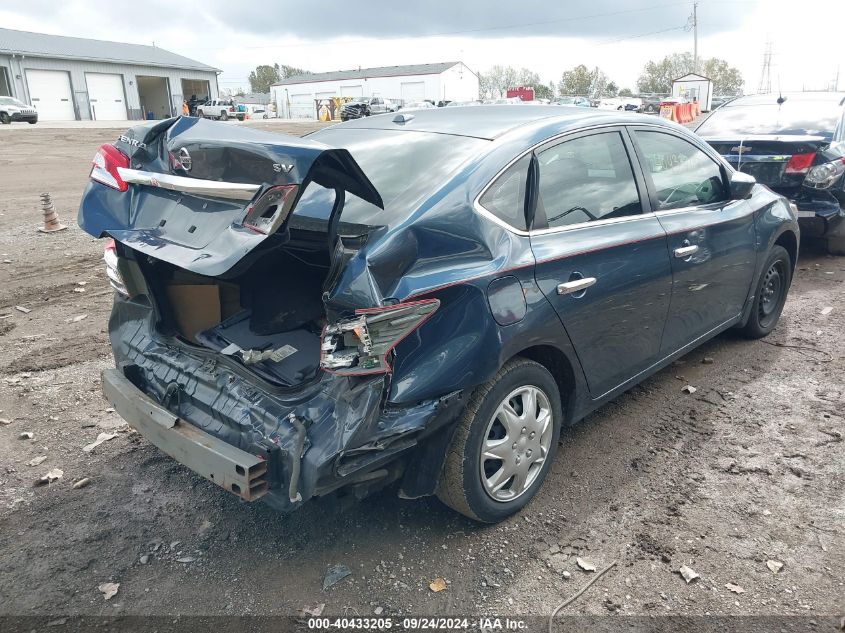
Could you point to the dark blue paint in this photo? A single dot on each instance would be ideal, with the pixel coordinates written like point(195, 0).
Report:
point(497, 290)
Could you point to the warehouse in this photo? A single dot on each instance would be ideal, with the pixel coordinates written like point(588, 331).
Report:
point(71, 78)
point(296, 97)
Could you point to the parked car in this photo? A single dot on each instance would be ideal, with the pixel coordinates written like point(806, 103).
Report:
point(717, 102)
point(365, 106)
point(795, 144)
point(262, 113)
point(12, 110)
point(298, 317)
point(581, 102)
point(222, 109)
point(650, 104)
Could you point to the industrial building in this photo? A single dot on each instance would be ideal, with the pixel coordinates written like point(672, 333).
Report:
point(71, 78)
point(297, 97)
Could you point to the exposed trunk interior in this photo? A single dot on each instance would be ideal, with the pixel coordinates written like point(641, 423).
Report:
point(269, 316)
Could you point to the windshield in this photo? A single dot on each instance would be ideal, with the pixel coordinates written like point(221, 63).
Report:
point(406, 167)
point(810, 119)
point(11, 101)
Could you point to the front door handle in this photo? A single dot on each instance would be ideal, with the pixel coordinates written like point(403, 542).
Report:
point(575, 286)
point(685, 251)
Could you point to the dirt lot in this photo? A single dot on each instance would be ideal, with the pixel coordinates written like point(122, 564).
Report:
point(748, 469)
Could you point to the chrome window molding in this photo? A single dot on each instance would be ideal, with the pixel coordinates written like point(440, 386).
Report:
point(492, 217)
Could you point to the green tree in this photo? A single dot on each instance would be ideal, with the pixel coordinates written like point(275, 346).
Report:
point(577, 81)
point(611, 89)
point(626, 92)
point(495, 82)
point(543, 91)
point(583, 81)
point(657, 76)
point(265, 76)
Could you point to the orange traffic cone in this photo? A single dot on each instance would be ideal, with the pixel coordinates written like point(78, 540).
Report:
point(51, 218)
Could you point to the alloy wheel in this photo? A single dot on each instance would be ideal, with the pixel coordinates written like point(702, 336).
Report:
point(516, 443)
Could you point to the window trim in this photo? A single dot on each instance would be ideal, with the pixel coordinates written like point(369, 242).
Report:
point(630, 152)
point(625, 130)
point(652, 191)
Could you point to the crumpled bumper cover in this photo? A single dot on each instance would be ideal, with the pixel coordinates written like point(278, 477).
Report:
point(349, 430)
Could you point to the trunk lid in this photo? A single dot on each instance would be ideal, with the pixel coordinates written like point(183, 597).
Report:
point(767, 157)
point(202, 195)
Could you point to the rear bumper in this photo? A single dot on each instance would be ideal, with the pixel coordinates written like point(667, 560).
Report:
point(230, 468)
point(346, 432)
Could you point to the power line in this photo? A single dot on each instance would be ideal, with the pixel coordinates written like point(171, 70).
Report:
point(476, 30)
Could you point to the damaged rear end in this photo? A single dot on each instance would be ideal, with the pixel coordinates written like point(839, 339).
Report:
point(231, 355)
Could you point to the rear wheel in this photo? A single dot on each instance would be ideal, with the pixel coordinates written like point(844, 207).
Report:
point(504, 444)
point(224, 116)
point(200, 114)
point(835, 240)
point(770, 296)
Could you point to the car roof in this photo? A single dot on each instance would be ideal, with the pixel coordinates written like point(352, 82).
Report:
point(836, 98)
point(490, 121)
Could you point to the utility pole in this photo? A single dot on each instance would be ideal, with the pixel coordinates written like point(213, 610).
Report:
point(695, 36)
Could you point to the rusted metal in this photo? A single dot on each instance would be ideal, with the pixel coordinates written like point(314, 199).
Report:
point(229, 467)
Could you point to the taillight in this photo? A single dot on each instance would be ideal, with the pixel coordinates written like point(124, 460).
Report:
point(106, 162)
point(360, 345)
point(800, 163)
point(271, 210)
point(115, 278)
point(825, 175)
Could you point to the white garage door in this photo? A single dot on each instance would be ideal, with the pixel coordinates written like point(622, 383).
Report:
point(105, 94)
point(413, 91)
point(51, 95)
point(302, 106)
point(352, 91)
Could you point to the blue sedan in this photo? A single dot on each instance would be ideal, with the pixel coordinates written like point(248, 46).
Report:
point(424, 299)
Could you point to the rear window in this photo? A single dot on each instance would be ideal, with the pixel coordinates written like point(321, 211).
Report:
point(799, 118)
point(406, 167)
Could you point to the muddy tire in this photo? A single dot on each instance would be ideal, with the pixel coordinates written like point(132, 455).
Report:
point(835, 240)
point(224, 116)
point(503, 446)
point(770, 294)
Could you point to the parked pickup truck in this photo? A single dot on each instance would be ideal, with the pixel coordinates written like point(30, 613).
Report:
point(222, 109)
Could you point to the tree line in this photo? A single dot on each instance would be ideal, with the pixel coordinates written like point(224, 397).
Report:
point(656, 77)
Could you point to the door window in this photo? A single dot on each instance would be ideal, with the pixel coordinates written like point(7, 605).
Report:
point(586, 179)
point(682, 174)
point(505, 197)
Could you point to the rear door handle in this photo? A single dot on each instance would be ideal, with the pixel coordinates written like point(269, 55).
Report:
point(685, 251)
point(577, 285)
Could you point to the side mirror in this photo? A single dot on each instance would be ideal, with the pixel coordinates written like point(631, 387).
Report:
point(741, 185)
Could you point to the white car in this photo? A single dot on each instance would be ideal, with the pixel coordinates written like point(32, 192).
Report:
point(13, 110)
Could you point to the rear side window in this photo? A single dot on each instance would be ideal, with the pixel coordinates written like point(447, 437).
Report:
point(505, 197)
point(682, 174)
point(586, 179)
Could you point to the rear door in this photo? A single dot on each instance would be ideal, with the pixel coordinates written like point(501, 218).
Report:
point(602, 258)
point(712, 238)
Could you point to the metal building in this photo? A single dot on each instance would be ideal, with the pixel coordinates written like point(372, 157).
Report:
point(71, 78)
point(296, 97)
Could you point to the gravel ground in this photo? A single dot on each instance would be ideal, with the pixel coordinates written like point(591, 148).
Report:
point(745, 471)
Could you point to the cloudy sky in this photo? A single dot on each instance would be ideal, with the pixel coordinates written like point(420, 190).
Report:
point(547, 36)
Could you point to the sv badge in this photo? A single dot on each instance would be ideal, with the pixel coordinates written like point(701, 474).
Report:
point(279, 168)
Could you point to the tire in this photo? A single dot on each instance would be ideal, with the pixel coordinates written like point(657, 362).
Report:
point(770, 294)
point(224, 116)
point(835, 239)
point(462, 484)
point(5, 119)
point(32, 122)
point(200, 114)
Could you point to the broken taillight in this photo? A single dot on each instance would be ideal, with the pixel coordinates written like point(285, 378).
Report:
point(361, 345)
point(271, 210)
point(115, 278)
point(106, 163)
